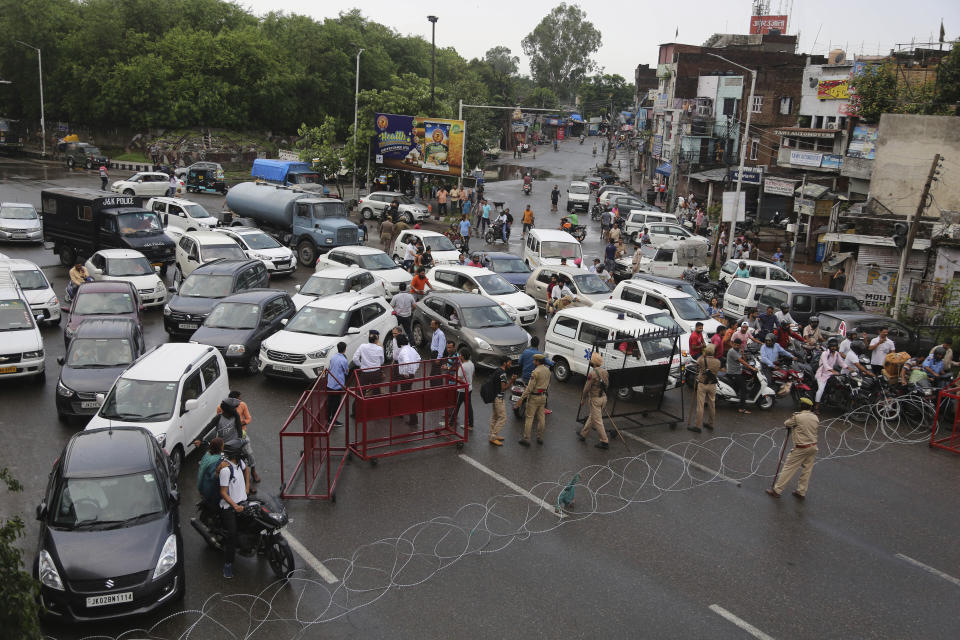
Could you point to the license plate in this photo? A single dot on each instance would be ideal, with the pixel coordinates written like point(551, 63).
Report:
point(187, 325)
point(8, 369)
point(19, 236)
point(112, 598)
point(89, 404)
point(283, 367)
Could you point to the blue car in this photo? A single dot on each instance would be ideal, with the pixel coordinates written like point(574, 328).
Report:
point(511, 267)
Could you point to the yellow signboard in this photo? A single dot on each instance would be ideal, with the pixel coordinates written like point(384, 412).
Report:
point(833, 90)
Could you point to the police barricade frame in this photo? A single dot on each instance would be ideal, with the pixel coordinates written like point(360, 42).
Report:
point(650, 375)
point(951, 441)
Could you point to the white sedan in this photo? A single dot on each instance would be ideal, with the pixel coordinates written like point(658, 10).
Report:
point(145, 183)
point(661, 232)
point(260, 246)
point(521, 308)
point(130, 266)
point(330, 282)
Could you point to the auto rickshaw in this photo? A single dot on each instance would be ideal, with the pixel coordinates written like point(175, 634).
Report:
point(206, 177)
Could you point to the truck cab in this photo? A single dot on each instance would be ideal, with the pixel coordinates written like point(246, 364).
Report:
point(80, 222)
point(288, 173)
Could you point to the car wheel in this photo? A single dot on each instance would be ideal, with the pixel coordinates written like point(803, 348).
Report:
point(306, 253)
point(68, 257)
point(253, 366)
point(561, 370)
point(176, 462)
point(71, 163)
point(408, 217)
point(177, 278)
point(633, 238)
point(418, 335)
point(129, 192)
point(88, 164)
point(366, 213)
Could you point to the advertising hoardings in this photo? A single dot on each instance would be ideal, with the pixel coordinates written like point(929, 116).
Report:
point(764, 24)
point(414, 143)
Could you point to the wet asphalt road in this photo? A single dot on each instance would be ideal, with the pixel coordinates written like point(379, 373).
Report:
point(429, 546)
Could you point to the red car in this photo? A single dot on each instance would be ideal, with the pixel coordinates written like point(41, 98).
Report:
point(101, 300)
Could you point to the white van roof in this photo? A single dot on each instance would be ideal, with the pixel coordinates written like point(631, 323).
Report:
point(555, 235)
point(636, 307)
point(653, 287)
point(609, 319)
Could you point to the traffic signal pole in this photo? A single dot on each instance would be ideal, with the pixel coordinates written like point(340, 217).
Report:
point(911, 234)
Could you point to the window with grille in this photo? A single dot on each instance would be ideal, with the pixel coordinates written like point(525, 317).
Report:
point(756, 106)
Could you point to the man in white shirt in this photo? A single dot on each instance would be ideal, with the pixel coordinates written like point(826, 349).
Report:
point(369, 358)
point(408, 363)
point(437, 346)
point(234, 483)
point(403, 303)
point(784, 314)
point(464, 375)
point(852, 334)
point(879, 348)
point(410, 256)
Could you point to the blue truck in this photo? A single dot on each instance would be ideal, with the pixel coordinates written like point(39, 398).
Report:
point(290, 173)
point(308, 223)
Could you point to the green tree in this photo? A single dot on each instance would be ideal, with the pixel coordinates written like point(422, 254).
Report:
point(875, 92)
point(600, 92)
point(318, 146)
point(501, 67)
point(541, 98)
point(948, 77)
point(19, 592)
point(560, 49)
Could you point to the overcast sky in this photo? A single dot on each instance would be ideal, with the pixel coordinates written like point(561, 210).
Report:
point(633, 30)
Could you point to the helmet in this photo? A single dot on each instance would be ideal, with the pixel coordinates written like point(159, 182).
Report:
point(784, 307)
point(784, 324)
point(832, 342)
point(853, 332)
point(814, 319)
point(858, 347)
point(939, 353)
point(769, 338)
point(233, 448)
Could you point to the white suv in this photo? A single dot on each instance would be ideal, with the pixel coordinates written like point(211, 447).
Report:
point(173, 392)
point(130, 266)
point(302, 350)
point(258, 245)
point(179, 215)
point(375, 205)
point(521, 308)
point(21, 350)
point(684, 308)
point(35, 287)
point(195, 248)
point(372, 259)
point(578, 196)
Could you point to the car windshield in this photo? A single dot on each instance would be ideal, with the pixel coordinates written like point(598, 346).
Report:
point(495, 285)
point(196, 211)
point(656, 348)
point(107, 502)
point(141, 223)
point(103, 303)
point(590, 283)
point(319, 286)
point(648, 252)
point(319, 322)
point(202, 285)
point(484, 317)
point(579, 188)
point(16, 212)
point(439, 243)
point(664, 320)
point(99, 352)
point(508, 265)
point(31, 280)
point(688, 289)
point(92, 151)
point(689, 309)
point(129, 267)
point(377, 262)
point(558, 249)
point(14, 316)
point(140, 400)
point(228, 251)
point(847, 304)
point(233, 315)
point(260, 241)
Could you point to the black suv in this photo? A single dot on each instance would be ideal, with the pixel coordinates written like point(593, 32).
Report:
point(241, 322)
point(98, 353)
point(110, 543)
point(904, 338)
point(205, 287)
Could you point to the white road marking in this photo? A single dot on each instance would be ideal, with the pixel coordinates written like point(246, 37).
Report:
point(743, 624)
point(512, 485)
point(687, 461)
point(310, 559)
point(928, 568)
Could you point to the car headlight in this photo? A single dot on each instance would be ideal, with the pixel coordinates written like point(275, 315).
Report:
point(483, 344)
point(320, 353)
point(236, 349)
point(53, 301)
point(30, 355)
point(49, 577)
point(329, 240)
point(263, 348)
point(64, 391)
point(161, 439)
point(511, 311)
point(166, 310)
point(159, 286)
point(168, 557)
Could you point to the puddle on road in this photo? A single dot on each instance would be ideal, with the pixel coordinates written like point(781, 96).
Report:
point(498, 172)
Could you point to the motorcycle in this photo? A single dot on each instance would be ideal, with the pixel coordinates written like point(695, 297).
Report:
point(258, 531)
point(758, 393)
point(453, 235)
point(69, 291)
point(578, 231)
point(796, 379)
point(494, 234)
point(595, 213)
point(527, 188)
point(516, 392)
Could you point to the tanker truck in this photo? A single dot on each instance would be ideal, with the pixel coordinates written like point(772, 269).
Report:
point(305, 222)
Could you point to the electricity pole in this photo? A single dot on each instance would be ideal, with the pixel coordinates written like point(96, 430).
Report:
point(912, 232)
point(433, 62)
point(796, 229)
point(356, 98)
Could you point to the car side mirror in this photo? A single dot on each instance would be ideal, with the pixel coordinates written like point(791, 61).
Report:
point(41, 511)
point(172, 289)
point(352, 331)
point(285, 321)
point(191, 259)
point(191, 405)
point(61, 360)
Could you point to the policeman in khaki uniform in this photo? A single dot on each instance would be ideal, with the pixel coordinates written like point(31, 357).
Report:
point(595, 394)
point(804, 424)
point(536, 396)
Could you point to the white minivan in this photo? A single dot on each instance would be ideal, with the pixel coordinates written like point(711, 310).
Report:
point(36, 288)
point(21, 349)
point(684, 308)
point(659, 317)
point(549, 246)
point(172, 391)
point(742, 294)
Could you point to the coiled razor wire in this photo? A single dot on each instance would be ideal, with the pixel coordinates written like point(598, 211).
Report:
point(290, 608)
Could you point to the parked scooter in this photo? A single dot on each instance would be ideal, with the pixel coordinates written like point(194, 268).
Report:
point(258, 531)
point(758, 393)
point(516, 392)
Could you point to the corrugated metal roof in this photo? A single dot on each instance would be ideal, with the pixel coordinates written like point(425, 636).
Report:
point(879, 241)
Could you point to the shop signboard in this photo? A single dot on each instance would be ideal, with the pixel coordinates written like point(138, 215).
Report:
point(863, 142)
point(833, 90)
point(831, 161)
point(779, 186)
point(805, 158)
point(657, 148)
point(751, 175)
point(421, 144)
point(765, 24)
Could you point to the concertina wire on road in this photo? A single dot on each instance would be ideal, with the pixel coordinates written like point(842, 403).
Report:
point(288, 609)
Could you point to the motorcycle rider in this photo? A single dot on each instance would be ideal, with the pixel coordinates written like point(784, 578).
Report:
point(852, 334)
point(78, 275)
point(768, 321)
point(784, 314)
point(933, 365)
point(830, 362)
point(851, 361)
point(785, 332)
point(812, 334)
point(770, 352)
point(528, 182)
point(234, 484)
point(735, 367)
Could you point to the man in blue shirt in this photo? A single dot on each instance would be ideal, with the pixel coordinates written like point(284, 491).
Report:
point(933, 365)
point(337, 374)
point(768, 321)
point(770, 352)
point(742, 271)
point(465, 232)
point(527, 365)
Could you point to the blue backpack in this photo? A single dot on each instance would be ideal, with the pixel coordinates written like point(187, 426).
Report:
point(208, 482)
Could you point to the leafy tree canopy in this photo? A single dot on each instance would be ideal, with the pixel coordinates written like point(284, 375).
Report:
point(560, 49)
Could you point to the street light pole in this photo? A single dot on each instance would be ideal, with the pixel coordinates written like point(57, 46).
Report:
point(743, 151)
point(433, 62)
point(356, 98)
point(43, 124)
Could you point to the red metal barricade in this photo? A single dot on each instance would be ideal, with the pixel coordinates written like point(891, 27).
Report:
point(394, 414)
point(950, 442)
point(308, 427)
